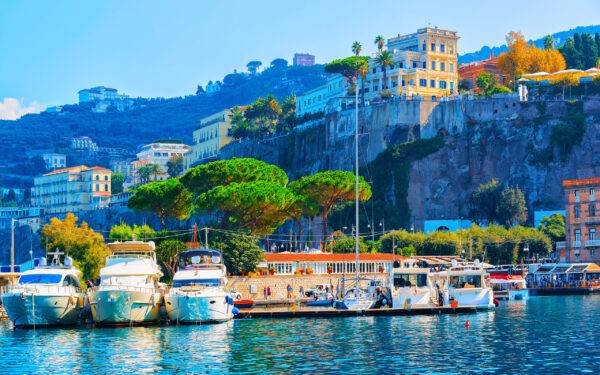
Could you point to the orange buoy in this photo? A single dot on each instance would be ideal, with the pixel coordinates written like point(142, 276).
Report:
point(467, 324)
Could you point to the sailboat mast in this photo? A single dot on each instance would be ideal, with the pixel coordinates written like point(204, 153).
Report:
point(356, 231)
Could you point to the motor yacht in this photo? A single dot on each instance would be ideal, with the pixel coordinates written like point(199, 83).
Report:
point(46, 295)
point(129, 292)
point(466, 284)
point(354, 297)
point(509, 287)
point(198, 293)
point(412, 286)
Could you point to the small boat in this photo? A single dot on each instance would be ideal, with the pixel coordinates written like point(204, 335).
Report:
point(198, 293)
point(412, 286)
point(466, 284)
point(509, 287)
point(243, 303)
point(46, 295)
point(129, 292)
point(355, 298)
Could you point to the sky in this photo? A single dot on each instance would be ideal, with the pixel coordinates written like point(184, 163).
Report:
point(49, 50)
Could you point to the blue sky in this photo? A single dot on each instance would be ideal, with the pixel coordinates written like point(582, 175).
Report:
point(51, 49)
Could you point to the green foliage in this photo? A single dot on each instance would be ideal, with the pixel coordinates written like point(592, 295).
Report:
point(485, 82)
point(570, 132)
point(385, 59)
point(356, 48)
point(465, 85)
point(124, 232)
point(398, 241)
point(241, 254)
point(346, 244)
point(581, 51)
point(165, 199)
point(167, 252)
point(499, 89)
point(554, 227)
point(259, 207)
point(349, 67)
point(148, 172)
point(208, 176)
point(492, 203)
point(548, 42)
point(441, 243)
point(175, 166)
point(116, 183)
point(80, 242)
point(264, 117)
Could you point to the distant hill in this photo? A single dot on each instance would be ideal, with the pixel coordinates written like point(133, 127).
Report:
point(559, 39)
point(150, 119)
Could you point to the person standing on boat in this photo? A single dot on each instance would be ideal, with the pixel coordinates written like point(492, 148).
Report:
point(440, 295)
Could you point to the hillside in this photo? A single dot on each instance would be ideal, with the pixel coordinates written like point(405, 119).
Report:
point(559, 39)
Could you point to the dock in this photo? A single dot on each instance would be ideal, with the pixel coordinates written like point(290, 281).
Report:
point(279, 313)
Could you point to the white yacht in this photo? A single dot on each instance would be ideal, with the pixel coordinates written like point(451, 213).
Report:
point(46, 295)
point(198, 293)
point(412, 286)
point(355, 297)
point(466, 284)
point(509, 287)
point(129, 292)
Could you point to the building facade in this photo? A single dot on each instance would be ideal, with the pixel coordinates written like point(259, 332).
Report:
point(84, 143)
point(327, 263)
point(319, 98)
point(72, 189)
point(31, 216)
point(583, 221)
point(473, 70)
point(55, 161)
point(105, 97)
point(159, 153)
point(303, 59)
point(209, 138)
point(425, 65)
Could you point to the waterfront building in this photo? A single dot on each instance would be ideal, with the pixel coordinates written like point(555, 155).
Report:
point(322, 97)
point(31, 216)
point(303, 59)
point(583, 221)
point(159, 153)
point(327, 263)
point(425, 66)
point(73, 189)
point(473, 70)
point(54, 161)
point(211, 135)
point(84, 143)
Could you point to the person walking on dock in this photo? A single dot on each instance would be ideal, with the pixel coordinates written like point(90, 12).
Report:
point(289, 292)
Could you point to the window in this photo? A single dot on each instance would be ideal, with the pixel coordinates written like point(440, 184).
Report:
point(40, 279)
point(403, 82)
point(97, 187)
point(410, 280)
point(451, 85)
point(576, 194)
point(577, 235)
point(443, 66)
point(432, 83)
point(442, 84)
point(467, 281)
point(452, 49)
point(414, 64)
point(577, 212)
point(105, 187)
point(442, 48)
point(106, 178)
point(433, 46)
point(97, 177)
point(433, 65)
point(411, 82)
point(592, 209)
point(424, 47)
point(423, 82)
point(374, 70)
point(401, 65)
point(592, 234)
point(424, 64)
point(592, 194)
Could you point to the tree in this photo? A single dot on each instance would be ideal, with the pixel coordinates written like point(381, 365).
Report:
point(548, 42)
point(148, 172)
point(167, 252)
point(259, 207)
point(240, 126)
point(398, 241)
point(11, 196)
point(589, 51)
point(279, 63)
point(490, 202)
point(208, 176)
point(511, 208)
point(82, 243)
point(356, 48)
point(200, 90)
point(175, 166)
point(554, 227)
point(486, 83)
point(565, 81)
point(165, 199)
point(253, 66)
point(329, 188)
point(345, 244)
point(116, 183)
point(264, 115)
point(288, 114)
point(465, 85)
point(385, 59)
point(571, 54)
point(349, 67)
point(380, 42)
point(124, 232)
point(241, 253)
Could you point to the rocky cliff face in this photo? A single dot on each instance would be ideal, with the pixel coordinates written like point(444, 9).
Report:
point(483, 139)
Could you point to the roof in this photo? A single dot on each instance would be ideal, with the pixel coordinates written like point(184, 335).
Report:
point(131, 246)
point(328, 257)
point(581, 182)
point(79, 168)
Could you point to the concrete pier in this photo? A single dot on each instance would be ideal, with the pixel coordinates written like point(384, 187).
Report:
point(283, 313)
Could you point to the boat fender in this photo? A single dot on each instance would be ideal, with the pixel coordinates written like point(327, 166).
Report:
point(467, 324)
point(229, 300)
point(496, 302)
point(235, 311)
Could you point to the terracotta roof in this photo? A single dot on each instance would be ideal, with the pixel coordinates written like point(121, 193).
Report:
point(581, 182)
point(79, 168)
point(327, 257)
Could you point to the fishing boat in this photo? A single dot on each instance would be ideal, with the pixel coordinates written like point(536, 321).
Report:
point(466, 284)
point(509, 287)
point(198, 293)
point(46, 295)
point(129, 292)
point(412, 286)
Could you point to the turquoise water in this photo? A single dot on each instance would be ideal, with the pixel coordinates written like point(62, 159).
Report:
point(546, 335)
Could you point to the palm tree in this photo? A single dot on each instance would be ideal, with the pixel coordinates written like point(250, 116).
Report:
point(384, 58)
point(362, 72)
point(356, 48)
point(380, 41)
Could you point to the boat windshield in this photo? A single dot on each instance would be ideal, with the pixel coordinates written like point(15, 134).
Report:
point(198, 257)
point(41, 278)
point(402, 280)
point(196, 282)
point(125, 280)
point(465, 281)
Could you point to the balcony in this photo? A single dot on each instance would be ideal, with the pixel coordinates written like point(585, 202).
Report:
point(592, 243)
point(592, 220)
point(576, 244)
point(561, 244)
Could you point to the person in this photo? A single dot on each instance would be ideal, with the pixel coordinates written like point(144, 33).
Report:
point(289, 291)
point(440, 295)
point(301, 291)
point(89, 283)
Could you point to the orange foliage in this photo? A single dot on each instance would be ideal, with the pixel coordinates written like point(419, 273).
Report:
point(523, 58)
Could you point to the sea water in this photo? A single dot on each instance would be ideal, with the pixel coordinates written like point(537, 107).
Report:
point(544, 335)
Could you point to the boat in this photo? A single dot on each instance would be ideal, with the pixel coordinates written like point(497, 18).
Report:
point(243, 303)
point(509, 287)
point(48, 295)
point(198, 293)
point(465, 284)
point(129, 292)
point(412, 286)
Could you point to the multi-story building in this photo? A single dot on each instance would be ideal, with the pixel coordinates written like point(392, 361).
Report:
point(304, 59)
point(210, 136)
point(425, 65)
point(84, 143)
point(583, 221)
point(105, 97)
point(31, 216)
point(54, 161)
point(317, 99)
point(159, 153)
point(473, 70)
point(73, 189)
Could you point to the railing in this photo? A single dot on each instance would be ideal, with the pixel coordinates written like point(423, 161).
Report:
point(39, 288)
point(592, 220)
point(591, 243)
point(576, 244)
point(561, 244)
point(126, 288)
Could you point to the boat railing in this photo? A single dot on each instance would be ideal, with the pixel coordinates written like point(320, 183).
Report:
point(39, 288)
point(127, 288)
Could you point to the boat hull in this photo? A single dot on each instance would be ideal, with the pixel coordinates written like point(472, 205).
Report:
point(30, 310)
point(411, 297)
point(125, 307)
point(480, 298)
point(198, 308)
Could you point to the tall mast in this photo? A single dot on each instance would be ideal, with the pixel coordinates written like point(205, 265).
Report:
point(356, 231)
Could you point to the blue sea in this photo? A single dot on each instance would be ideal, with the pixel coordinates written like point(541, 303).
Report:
point(546, 335)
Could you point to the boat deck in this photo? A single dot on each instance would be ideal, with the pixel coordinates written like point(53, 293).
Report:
point(274, 313)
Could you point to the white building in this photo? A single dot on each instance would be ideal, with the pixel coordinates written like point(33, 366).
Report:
point(55, 161)
point(209, 138)
point(317, 99)
point(160, 153)
point(84, 144)
point(105, 97)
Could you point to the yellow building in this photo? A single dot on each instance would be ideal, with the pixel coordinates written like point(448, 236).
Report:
point(425, 65)
point(72, 189)
point(209, 138)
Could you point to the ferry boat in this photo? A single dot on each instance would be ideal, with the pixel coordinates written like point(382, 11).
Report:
point(46, 295)
point(129, 292)
point(466, 284)
point(198, 293)
point(412, 286)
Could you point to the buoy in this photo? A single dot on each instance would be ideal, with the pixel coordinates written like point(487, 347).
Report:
point(467, 324)
point(496, 302)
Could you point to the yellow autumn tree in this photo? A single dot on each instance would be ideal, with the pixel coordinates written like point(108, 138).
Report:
point(80, 242)
point(522, 58)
